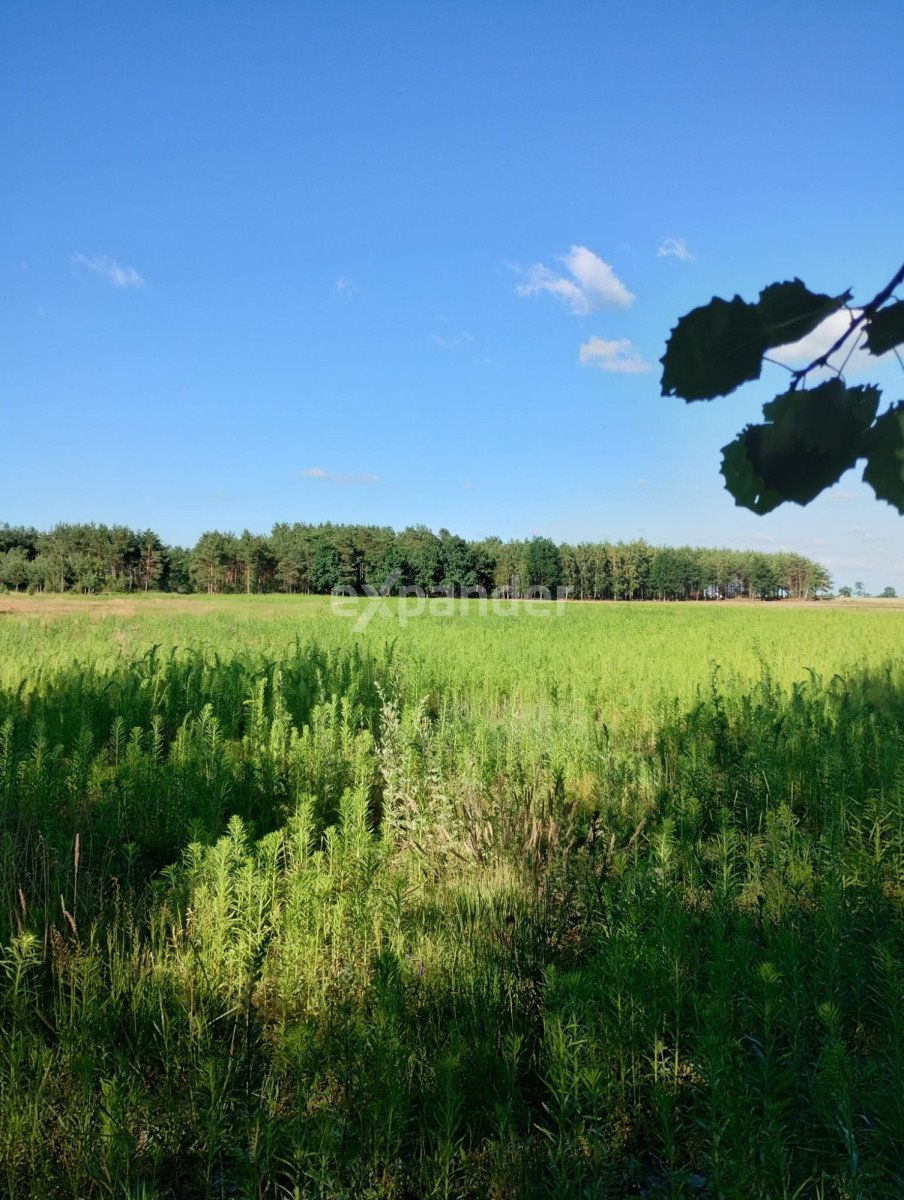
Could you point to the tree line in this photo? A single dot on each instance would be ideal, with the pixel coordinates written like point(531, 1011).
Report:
point(303, 558)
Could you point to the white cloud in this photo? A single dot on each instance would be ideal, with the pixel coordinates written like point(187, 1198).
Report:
point(451, 343)
point(345, 287)
point(338, 476)
point(619, 355)
point(821, 339)
point(675, 248)
point(592, 283)
point(109, 269)
point(869, 535)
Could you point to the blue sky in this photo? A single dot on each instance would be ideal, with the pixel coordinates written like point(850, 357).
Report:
point(280, 261)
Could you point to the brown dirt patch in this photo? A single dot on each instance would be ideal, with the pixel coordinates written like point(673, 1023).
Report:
point(56, 605)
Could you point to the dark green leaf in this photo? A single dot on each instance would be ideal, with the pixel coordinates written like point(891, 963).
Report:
point(829, 419)
point(742, 481)
point(713, 349)
point(885, 328)
point(885, 457)
point(790, 311)
point(809, 440)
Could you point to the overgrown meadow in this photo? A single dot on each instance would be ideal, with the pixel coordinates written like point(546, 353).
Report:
point(604, 904)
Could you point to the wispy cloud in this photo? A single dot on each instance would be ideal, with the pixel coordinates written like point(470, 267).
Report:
point(344, 287)
point(452, 341)
point(588, 284)
point(675, 248)
point(870, 535)
point(109, 269)
point(620, 355)
point(840, 560)
point(338, 476)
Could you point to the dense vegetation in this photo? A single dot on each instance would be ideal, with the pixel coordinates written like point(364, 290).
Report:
point(308, 559)
point(496, 906)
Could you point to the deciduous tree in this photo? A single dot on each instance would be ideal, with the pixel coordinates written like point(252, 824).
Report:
point(811, 435)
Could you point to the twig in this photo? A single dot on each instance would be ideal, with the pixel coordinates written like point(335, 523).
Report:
point(865, 313)
point(775, 362)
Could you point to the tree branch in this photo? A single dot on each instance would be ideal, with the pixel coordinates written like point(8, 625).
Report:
point(865, 313)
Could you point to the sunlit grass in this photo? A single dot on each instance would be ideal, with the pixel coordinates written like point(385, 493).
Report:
point(604, 903)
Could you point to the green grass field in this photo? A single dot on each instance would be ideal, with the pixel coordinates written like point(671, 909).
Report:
point(603, 903)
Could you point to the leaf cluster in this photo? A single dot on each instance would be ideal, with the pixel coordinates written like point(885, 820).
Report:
point(810, 436)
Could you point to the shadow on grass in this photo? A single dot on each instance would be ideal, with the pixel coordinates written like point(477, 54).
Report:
point(692, 987)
